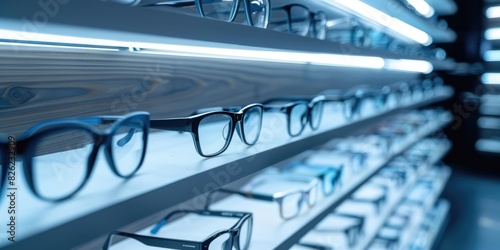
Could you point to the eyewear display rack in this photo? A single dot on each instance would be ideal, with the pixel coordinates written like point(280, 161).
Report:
point(175, 83)
point(429, 203)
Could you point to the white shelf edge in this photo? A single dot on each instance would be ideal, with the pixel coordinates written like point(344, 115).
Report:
point(366, 241)
point(428, 206)
point(441, 223)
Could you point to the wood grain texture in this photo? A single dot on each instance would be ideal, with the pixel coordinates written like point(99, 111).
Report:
point(37, 85)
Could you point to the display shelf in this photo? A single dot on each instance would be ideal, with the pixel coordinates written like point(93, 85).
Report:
point(271, 232)
point(443, 207)
point(405, 242)
point(110, 25)
point(372, 230)
point(427, 234)
point(172, 173)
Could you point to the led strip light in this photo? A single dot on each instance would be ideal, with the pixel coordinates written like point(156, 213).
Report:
point(252, 54)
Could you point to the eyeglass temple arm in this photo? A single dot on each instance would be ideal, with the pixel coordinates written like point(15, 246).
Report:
point(352, 216)
point(154, 241)
point(164, 221)
point(95, 120)
point(245, 194)
point(172, 3)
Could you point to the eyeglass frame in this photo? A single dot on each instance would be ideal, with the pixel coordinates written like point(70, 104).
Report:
point(25, 146)
point(278, 197)
point(233, 231)
point(191, 125)
point(336, 181)
point(311, 103)
point(358, 228)
point(311, 22)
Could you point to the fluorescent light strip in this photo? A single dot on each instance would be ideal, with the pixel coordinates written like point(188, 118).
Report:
point(492, 34)
point(493, 12)
point(488, 145)
point(422, 7)
point(409, 65)
point(14, 44)
point(280, 56)
point(370, 62)
point(491, 78)
point(492, 56)
point(392, 23)
point(488, 123)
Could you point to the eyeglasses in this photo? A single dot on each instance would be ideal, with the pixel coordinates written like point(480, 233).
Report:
point(212, 131)
point(236, 237)
point(59, 155)
point(388, 238)
point(289, 202)
point(369, 194)
point(298, 19)
point(333, 223)
point(330, 176)
point(257, 12)
point(348, 30)
point(315, 106)
point(350, 160)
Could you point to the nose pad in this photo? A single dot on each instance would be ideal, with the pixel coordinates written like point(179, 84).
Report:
point(127, 138)
point(225, 131)
point(226, 245)
point(301, 201)
point(238, 130)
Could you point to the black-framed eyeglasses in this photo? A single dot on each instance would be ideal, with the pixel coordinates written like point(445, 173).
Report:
point(378, 201)
point(315, 107)
point(352, 232)
point(59, 155)
point(388, 238)
point(329, 176)
point(298, 19)
point(236, 237)
point(257, 12)
point(212, 131)
point(290, 202)
point(330, 157)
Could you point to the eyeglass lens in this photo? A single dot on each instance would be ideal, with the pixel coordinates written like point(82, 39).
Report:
point(222, 242)
point(218, 9)
point(213, 133)
point(299, 20)
point(252, 123)
point(298, 119)
point(127, 147)
point(60, 162)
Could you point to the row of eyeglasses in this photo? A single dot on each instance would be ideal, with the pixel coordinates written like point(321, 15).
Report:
point(411, 210)
point(319, 175)
point(285, 16)
point(73, 144)
point(347, 226)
